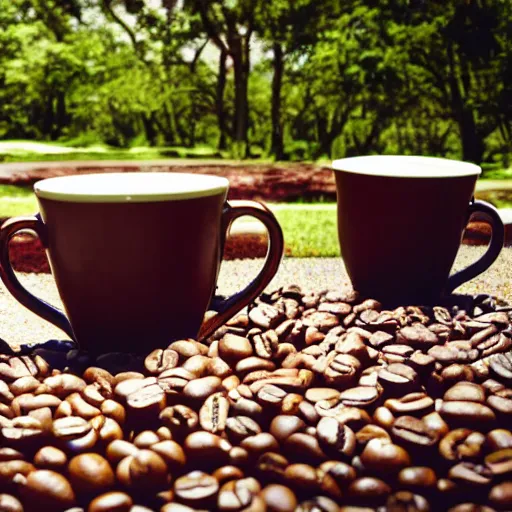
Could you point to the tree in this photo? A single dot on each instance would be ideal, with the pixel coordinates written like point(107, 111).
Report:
point(230, 26)
point(288, 27)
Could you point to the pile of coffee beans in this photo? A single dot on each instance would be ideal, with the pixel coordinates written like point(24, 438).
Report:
point(309, 401)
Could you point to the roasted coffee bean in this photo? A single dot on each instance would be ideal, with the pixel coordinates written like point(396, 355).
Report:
point(90, 473)
point(180, 419)
point(413, 433)
point(369, 432)
point(413, 404)
point(468, 473)
point(119, 449)
point(398, 379)
point(318, 504)
point(454, 352)
point(240, 427)
point(50, 457)
point(238, 495)
point(271, 466)
point(283, 426)
point(383, 417)
point(80, 407)
point(244, 406)
point(342, 370)
point(336, 437)
point(501, 366)
point(172, 453)
point(197, 489)
point(422, 363)
point(160, 360)
point(417, 478)
point(279, 498)
point(200, 389)
point(253, 363)
point(214, 413)
point(405, 501)
point(11, 468)
point(23, 404)
point(265, 316)
point(397, 353)
point(359, 396)
point(302, 447)
point(471, 414)
point(384, 457)
point(188, 348)
point(145, 471)
point(74, 434)
point(25, 432)
point(465, 391)
point(317, 394)
point(500, 496)
point(113, 501)
point(145, 439)
point(64, 384)
point(204, 446)
point(435, 423)
point(23, 385)
point(369, 491)
point(233, 348)
point(417, 336)
point(462, 444)
point(47, 490)
point(501, 405)
point(305, 478)
point(341, 472)
point(174, 380)
point(260, 443)
point(500, 462)
point(114, 410)
point(271, 396)
point(9, 503)
point(499, 439)
point(7, 454)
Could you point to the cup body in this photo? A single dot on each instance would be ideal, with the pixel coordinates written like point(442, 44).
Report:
point(400, 223)
point(135, 269)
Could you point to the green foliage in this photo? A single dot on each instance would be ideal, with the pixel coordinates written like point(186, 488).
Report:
point(321, 78)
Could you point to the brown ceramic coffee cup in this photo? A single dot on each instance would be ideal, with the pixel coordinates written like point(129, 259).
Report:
point(401, 221)
point(136, 256)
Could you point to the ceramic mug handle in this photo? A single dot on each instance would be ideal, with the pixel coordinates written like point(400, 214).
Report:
point(228, 307)
point(41, 308)
point(497, 238)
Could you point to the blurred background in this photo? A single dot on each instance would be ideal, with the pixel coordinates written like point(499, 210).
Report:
point(306, 80)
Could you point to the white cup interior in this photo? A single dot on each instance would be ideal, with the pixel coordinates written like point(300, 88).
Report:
point(406, 166)
point(130, 186)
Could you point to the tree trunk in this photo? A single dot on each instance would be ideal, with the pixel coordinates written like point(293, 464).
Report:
point(60, 115)
point(473, 146)
point(219, 101)
point(149, 128)
point(241, 104)
point(277, 147)
point(48, 116)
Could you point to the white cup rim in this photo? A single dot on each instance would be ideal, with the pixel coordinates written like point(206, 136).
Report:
point(135, 187)
point(400, 166)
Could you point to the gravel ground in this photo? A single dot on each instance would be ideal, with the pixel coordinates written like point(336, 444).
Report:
point(18, 325)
